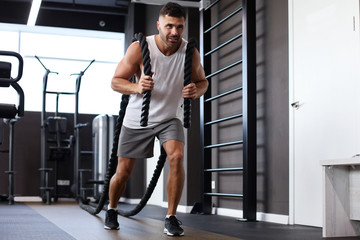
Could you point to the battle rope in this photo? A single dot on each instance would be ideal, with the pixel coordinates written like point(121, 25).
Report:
point(187, 80)
point(113, 158)
point(147, 71)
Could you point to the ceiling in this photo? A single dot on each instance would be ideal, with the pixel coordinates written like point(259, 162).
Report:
point(103, 15)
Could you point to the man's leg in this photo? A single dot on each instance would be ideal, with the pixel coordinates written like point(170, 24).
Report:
point(116, 189)
point(175, 183)
point(119, 179)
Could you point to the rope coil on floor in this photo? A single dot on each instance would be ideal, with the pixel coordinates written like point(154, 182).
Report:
point(113, 158)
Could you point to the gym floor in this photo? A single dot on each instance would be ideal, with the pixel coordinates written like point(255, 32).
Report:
point(66, 220)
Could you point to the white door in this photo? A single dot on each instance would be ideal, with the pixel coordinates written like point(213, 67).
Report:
point(324, 79)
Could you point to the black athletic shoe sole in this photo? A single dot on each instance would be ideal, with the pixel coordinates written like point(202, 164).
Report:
point(172, 235)
point(109, 228)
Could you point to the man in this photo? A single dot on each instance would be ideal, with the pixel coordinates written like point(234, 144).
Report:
point(167, 54)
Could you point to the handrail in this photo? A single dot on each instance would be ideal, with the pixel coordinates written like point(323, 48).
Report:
point(47, 70)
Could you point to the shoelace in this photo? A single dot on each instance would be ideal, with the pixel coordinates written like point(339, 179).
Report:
point(112, 215)
point(175, 221)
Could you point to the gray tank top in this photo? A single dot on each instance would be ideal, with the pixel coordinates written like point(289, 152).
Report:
point(166, 97)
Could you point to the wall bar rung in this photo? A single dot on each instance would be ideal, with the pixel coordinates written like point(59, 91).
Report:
point(61, 93)
point(224, 144)
point(224, 169)
point(224, 119)
point(223, 20)
point(223, 69)
point(223, 94)
point(211, 5)
point(223, 45)
point(225, 195)
point(87, 152)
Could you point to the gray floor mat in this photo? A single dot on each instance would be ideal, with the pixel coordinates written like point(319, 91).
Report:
point(19, 222)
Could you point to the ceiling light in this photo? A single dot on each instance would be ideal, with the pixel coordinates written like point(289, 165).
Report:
point(35, 7)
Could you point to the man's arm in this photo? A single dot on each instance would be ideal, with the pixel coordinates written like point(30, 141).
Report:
point(199, 83)
point(128, 67)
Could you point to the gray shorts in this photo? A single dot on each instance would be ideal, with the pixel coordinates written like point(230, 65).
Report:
point(139, 143)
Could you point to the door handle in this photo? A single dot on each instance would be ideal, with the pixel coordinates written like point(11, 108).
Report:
point(296, 105)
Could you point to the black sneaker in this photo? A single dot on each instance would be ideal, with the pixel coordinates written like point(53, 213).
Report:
point(172, 227)
point(111, 221)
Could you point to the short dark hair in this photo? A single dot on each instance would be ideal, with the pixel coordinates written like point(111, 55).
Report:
point(173, 10)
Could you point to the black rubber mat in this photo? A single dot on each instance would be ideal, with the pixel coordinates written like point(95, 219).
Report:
point(18, 222)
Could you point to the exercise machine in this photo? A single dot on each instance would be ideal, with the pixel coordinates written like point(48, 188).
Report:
point(11, 113)
point(102, 135)
point(57, 144)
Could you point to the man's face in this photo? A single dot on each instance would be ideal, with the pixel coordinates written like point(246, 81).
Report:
point(171, 29)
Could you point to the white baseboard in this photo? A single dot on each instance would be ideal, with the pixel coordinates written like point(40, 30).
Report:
point(130, 200)
point(274, 218)
point(260, 216)
point(27, 199)
point(184, 209)
point(38, 199)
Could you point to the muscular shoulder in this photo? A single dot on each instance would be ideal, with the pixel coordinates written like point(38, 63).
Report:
point(133, 54)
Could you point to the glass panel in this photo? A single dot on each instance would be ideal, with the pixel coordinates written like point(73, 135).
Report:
point(72, 47)
point(66, 52)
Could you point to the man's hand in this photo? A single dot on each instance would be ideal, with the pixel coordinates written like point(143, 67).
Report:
point(189, 91)
point(146, 83)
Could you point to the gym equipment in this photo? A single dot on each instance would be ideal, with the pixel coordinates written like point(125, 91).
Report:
point(147, 71)
point(1, 132)
point(95, 209)
point(187, 81)
point(11, 112)
point(77, 185)
point(102, 132)
point(59, 147)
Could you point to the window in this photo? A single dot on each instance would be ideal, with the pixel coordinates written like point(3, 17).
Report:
point(65, 51)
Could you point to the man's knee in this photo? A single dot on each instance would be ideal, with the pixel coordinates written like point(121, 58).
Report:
point(124, 169)
point(176, 156)
point(121, 176)
point(176, 161)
